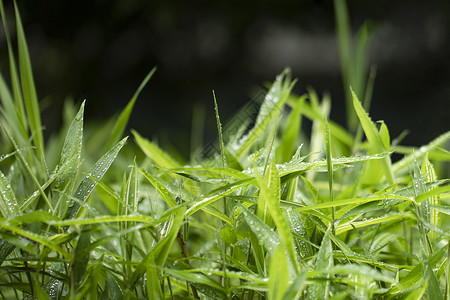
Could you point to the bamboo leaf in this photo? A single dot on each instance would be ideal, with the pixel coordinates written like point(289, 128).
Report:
point(122, 120)
point(8, 201)
point(88, 184)
point(29, 91)
point(155, 153)
point(215, 195)
point(375, 142)
point(278, 277)
point(271, 107)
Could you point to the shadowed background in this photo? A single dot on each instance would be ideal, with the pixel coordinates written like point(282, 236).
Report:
point(102, 50)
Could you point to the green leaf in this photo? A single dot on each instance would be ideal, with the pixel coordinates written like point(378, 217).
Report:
point(324, 261)
point(266, 236)
point(29, 91)
point(81, 258)
point(270, 190)
point(271, 107)
point(157, 256)
point(292, 132)
point(69, 162)
point(329, 158)
point(278, 277)
point(433, 289)
point(419, 153)
point(168, 197)
point(215, 195)
point(88, 184)
point(122, 120)
point(8, 201)
point(228, 235)
point(14, 112)
point(43, 240)
point(155, 153)
point(375, 145)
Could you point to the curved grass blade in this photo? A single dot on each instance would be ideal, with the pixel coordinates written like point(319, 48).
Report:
point(394, 217)
point(216, 195)
point(88, 184)
point(29, 91)
point(16, 110)
point(375, 142)
point(272, 194)
point(157, 256)
point(162, 190)
point(8, 201)
point(71, 159)
point(104, 219)
point(278, 277)
point(292, 131)
point(122, 120)
point(324, 261)
point(155, 153)
point(419, 153)
point(266, 236)
point(271, 107)
point(34, 237)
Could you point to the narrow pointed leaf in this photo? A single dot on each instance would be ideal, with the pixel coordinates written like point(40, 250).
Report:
point(88, 184)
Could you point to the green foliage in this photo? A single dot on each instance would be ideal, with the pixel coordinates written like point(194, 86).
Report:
point(269, 214)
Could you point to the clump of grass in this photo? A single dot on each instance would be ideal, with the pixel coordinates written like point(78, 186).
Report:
point(266, 213)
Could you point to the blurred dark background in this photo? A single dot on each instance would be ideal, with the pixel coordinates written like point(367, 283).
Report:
point(102, 50)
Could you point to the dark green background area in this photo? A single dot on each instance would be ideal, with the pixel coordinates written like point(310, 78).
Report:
point(101, 50)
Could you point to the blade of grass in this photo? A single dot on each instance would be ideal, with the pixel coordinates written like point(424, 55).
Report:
point(155, 153)
point(419, 153)
point(375, 141)
point(278, 277)
point(18, 113)
point(271, 192)
point(8, 201)
point(70, 155)
point(88, 184)
point(272, 107)
point(29, 92)
point(216, 195)
point(329, 158)
point(292, 131)
point(122, 120)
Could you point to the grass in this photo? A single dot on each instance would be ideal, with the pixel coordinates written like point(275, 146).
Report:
point(265, 212)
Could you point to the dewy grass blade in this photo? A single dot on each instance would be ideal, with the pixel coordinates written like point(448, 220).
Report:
point(324, 261)
point(29, 92)
point(162, 190)
point(8, 201)
point(160, 251)
point(216, 195)
point(155, 153)
point(419, 153)
point(104, 219)
point(393, 217)
point(88, 184)
point(22, 122)
point(278, 277)
point(329, 168)
point(272, 106)
point(375, 141)
point(293, 126)
point(271, 192)
point(122, 120)
point(219, 131)
point(266, 236)
point(26, 166)
point(43, 240)
point(70, 161)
